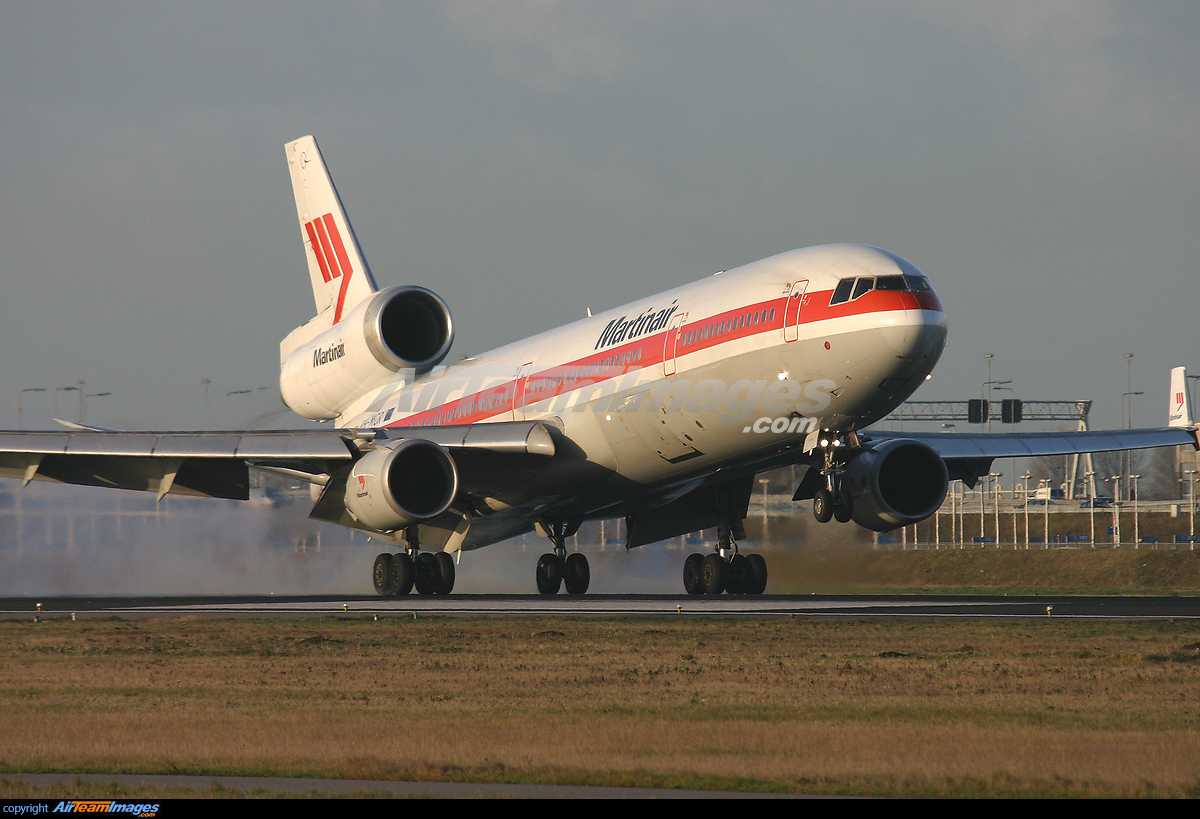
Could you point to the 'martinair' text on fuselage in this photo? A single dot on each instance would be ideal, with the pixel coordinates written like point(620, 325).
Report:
point(331, 353)
point(622, 329)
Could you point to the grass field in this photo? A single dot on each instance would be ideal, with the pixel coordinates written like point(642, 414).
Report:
point(984, 571)
point(937, 708)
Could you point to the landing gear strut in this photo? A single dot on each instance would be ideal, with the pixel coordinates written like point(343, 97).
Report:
point(557, 568)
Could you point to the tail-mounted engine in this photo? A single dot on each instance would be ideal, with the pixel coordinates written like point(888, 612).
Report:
point(399, 328)
point(408, 482)
point(894, 484)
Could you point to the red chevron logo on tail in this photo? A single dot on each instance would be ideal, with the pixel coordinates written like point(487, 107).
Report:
point(331, 256)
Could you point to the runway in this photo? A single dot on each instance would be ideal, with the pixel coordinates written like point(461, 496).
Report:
point(895, 606)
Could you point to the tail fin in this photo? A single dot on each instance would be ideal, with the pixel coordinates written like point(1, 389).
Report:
point(339, 273)
point(1180, 412)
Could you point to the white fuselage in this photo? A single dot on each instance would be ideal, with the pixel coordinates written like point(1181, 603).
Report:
point(685, 382)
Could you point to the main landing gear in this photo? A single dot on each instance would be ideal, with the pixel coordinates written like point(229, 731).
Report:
point(431, 572)
point(557, 568)
point(716, 573)
point(726, 570)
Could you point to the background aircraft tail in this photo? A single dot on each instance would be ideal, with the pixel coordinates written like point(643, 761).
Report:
point(1179, 413)
point(339, 273)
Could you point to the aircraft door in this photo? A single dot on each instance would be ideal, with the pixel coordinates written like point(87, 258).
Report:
point(519, 391)
point(671, 343)
point(791, 313)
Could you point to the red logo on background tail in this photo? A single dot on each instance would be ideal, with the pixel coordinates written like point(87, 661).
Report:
point(331, 256)
point(1179, 399)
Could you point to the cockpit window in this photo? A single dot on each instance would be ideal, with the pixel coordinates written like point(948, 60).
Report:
point(850, 289)
point(842, 292)
point(862, 287)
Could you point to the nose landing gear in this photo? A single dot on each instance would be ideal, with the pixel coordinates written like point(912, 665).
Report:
point(832, 501)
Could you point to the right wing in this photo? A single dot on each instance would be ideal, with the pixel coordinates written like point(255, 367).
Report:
point(491, 459)
point(208, 464)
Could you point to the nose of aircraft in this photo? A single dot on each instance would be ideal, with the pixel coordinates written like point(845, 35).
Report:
point(916, 335)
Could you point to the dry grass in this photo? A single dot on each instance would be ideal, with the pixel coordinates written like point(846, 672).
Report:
point(985, 571)
point(945, 708)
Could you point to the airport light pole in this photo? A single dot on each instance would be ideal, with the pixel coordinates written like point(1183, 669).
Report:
point(83, 404)
point(982, 509)
point(1116, 479)
point(27, 389)
point(1191, 473)
point(1128, 372)
point(1127, 412)
point(1091, 509)
point(1016, 540)
point(1127, 459)
point(996, 476)
point(1045, 514)
point(1133, 494)
point(1025, 491)
point(57, 390)
point(962, 502)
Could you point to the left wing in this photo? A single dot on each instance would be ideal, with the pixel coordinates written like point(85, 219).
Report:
point(969, 455)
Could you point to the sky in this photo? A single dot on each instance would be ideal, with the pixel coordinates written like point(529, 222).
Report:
point(531, 159)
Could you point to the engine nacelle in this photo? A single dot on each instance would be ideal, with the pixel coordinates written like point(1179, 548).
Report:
point(406, 483)
point(399, 328)
point(896, 483)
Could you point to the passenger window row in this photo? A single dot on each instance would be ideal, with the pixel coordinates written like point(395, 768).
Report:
point(728, 326)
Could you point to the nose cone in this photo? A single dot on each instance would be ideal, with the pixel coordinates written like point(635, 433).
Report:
point(913, 340)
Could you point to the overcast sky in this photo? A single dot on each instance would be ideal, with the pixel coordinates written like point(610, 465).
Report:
point(527, 160)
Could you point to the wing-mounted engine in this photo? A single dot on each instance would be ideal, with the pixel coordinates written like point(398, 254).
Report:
point(896, 483)
point(407, 482)
point(399, 328)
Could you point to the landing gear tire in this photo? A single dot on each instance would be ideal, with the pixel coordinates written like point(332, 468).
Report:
point(714, 573)
point(401, 575)
point(428, 574)
point(822, 506)
point(843, 510)
point(381, 574)
point(739, 578)
point(756, 580)
point(445, 575)
point(577, 574)
point(549, 573)
point(693, 577)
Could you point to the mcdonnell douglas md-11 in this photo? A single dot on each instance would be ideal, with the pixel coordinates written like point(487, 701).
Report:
point(660, 412)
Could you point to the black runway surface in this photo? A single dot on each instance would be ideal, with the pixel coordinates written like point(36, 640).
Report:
point(887, 606)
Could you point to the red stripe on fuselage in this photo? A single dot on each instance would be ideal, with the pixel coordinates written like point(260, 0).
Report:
point(701, 334)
